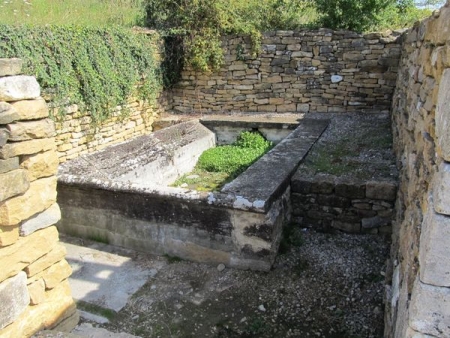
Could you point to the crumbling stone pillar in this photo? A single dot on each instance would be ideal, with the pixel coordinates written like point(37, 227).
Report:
point(34, 290)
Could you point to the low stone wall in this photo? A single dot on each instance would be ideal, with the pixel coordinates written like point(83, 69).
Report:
point(418, 294)
point(77, 135)
point(326, 202)
point(34, 290)
point(302, 71)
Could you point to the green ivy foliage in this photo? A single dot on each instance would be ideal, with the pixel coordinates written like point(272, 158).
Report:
point(235, 158)
point(96, 68)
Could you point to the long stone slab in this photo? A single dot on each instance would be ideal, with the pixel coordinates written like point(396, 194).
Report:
point(268, 178)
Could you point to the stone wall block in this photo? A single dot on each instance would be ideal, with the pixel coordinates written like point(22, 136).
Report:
point(22, 131)
point(40, 196)
point(4, 136)
point(57, 306)
point(55, 274)
point(9, 164)
point(40, 165)
point(443, 28)
point(8, 113)
point(353, 190)
point(14, 298)
point(31, 109)
point(301, 185)
point(37, 291)
point(42, 220)
point(26, 250)
point(375, 222)
point(430, 310)
point(410, 333)
point(10, 67)
point(443, 116)
point(381, 190)
point(13, 183)
point(323, 185)
point(351, 227)
point(54, 256)
point(441, 186)
point(27, 147)
point(434, 250)
point(28, 167)
point(8, 235)
point(19, 87)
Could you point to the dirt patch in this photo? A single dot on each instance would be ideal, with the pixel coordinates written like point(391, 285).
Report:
point(323, 285)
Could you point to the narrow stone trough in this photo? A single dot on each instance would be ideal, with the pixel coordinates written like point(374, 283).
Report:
point(120, 195)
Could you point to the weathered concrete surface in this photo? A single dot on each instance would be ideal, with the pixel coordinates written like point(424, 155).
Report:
point(178, 159)
point(151, 160)
point(83, 330)
point(239, 226)
point(88, 330)
point(273, 127)
point(103, 278)
point(264, 181)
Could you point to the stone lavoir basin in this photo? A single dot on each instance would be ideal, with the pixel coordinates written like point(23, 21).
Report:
point(120, 195)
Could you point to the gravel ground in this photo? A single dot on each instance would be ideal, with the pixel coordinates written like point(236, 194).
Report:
point(321, 285)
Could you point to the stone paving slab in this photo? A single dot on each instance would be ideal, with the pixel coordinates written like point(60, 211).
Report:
point(102, 277)
point(88, 330)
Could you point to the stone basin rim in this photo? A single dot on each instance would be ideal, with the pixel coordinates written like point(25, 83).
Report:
point(225, 199)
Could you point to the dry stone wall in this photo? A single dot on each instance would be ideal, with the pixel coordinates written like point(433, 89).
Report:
point(355, 206)
point(301, 71)
point(76, 134)
point(34, 290)
point(418, 296)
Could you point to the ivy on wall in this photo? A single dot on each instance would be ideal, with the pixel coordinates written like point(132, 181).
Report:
point(96, 68)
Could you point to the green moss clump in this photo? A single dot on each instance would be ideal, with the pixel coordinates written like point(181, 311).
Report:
point(217, 166)
point(234, 159)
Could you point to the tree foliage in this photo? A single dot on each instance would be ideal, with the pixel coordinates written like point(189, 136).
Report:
point(357, 15)
point(364, 15)
point(203, 22)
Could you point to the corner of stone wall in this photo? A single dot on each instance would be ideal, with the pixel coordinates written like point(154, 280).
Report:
point(34, 289)
point(418, 294)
